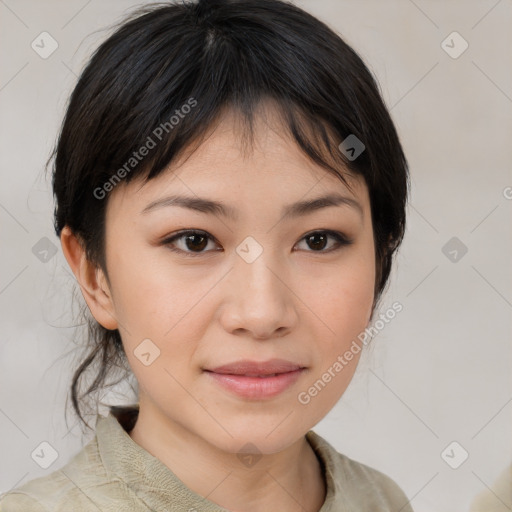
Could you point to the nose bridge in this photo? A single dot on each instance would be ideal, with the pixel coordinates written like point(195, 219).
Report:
point(261, 303)
point(256, 279)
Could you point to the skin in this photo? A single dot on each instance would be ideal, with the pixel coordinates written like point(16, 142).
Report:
point(297, 301)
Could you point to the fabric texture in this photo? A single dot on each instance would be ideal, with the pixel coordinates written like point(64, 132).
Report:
point(112, 473)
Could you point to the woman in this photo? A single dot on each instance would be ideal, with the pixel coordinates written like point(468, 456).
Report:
point(230, 192)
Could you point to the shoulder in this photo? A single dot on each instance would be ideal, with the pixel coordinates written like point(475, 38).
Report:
point(15, 501)
point(82, 485)
point(377, 487)
point(357, 485)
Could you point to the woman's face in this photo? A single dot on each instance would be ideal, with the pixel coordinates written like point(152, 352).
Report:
point(255, 284)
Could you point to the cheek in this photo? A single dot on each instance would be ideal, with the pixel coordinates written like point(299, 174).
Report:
point(343, 295)
point(343, 303)
point(154, 299)
point(146, 289)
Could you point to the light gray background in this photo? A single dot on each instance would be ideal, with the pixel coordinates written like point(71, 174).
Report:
point(439, 372)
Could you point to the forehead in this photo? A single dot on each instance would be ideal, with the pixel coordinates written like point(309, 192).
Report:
point(226, 165)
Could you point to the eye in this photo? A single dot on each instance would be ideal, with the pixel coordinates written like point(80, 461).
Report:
point(195, 242)
point(192, 242)
point(318, 241)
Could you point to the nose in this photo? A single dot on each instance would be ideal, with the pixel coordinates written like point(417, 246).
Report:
point(259, 303)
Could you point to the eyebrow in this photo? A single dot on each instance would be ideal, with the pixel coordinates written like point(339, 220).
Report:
point(297, 209)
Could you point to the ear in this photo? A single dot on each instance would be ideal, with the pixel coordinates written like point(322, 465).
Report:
point(92, 280)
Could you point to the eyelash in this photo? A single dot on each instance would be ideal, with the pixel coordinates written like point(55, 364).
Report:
point(340, 238)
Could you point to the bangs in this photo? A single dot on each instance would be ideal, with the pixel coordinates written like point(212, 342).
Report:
point(311, 135)
point(164, 89)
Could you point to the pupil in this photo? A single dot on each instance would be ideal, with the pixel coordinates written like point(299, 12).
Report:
point(314, 245)
point(195, 246)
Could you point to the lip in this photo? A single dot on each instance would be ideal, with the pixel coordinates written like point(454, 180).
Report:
point(249, 368)
point(257, 380)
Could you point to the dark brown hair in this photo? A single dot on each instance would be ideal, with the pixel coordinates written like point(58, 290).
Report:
point(221, 54)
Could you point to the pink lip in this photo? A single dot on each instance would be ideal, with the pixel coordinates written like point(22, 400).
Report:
point(247, 367)
point(256, 387)
point(256, 380)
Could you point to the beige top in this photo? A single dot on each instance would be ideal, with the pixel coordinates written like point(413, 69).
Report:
point(113, 473)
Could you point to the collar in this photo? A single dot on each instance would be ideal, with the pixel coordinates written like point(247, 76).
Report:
point(156, 485)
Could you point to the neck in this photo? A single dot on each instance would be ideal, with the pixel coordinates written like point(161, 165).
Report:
point(288, 481)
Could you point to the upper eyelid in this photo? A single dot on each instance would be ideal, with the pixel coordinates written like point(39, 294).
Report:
point(184, 232)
